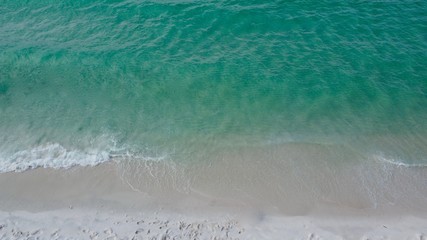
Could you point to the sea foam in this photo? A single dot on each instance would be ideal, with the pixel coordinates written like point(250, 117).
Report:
point(52, 155)
point(56, 155)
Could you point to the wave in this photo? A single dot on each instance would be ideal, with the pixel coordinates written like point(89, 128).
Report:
point(55, 155)
point(52, 155)
point(397, 162)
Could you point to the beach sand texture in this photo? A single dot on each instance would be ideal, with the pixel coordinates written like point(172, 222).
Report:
point(97, 203)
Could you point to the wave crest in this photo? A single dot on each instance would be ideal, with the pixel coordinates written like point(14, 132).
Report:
point(52, 155)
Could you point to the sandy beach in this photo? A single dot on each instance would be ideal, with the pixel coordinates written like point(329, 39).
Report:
point(82, 203)
point(111, 224)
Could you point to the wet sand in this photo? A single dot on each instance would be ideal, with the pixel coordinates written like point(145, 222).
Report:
point(101, 203)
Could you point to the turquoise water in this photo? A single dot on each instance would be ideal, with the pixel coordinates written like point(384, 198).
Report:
point(83, 82)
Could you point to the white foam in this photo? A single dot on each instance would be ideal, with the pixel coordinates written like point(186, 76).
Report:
point(51, 155)
point(396, 162)
point(55, 155)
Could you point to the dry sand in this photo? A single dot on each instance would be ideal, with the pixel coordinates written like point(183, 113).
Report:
point(92, 224)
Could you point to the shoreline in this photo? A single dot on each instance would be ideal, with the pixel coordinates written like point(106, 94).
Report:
point(220, 186)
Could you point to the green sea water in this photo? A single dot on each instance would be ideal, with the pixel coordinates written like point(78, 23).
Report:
point(82, 82)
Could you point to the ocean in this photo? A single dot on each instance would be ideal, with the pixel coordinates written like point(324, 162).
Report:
point(325, 96)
